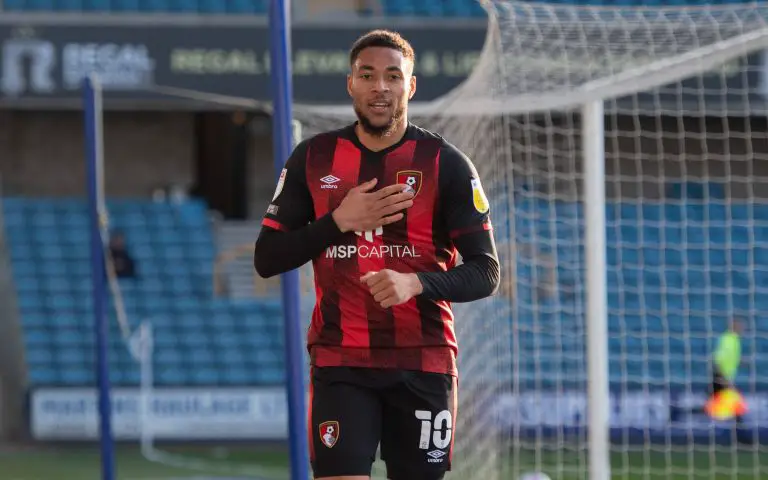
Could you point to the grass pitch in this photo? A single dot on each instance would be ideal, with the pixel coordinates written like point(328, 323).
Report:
point(83, 463)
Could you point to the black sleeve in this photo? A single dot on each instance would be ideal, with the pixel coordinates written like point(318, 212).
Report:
point(466, 215)
point(290, 235)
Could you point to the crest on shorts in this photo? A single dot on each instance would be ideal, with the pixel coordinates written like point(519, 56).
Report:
point(412, 178)
point(329, 433)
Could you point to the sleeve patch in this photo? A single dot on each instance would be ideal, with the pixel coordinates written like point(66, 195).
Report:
point(478, 196)
point(272, 209)
point(280, 184)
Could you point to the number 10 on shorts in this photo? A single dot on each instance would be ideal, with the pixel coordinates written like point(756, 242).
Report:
point(440, 429)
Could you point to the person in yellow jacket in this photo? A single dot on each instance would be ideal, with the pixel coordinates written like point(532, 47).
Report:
point(725, 400)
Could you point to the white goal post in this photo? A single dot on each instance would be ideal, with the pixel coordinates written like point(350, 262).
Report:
point(596, 291)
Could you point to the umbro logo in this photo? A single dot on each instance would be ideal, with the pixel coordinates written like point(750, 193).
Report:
point(437, 456)
point(329, 181)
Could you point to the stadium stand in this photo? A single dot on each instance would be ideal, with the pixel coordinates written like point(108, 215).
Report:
point(199, 339)
point(665, 276)
point(395, 8)
point(339, 9)
point(678, 270)
point(232, 7)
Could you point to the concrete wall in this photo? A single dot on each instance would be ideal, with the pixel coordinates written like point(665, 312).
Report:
point(42, 153)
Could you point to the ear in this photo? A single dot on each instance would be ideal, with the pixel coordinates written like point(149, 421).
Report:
point(413, 87)
point(349, 84)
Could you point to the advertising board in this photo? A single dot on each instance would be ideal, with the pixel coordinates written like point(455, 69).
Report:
point(260, 414)
point(47, 62)
point(172, 414)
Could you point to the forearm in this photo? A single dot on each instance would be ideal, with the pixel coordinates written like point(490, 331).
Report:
point(277, 252)
point(476, 278)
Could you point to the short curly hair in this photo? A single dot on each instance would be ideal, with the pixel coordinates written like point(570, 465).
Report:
point(382, 38)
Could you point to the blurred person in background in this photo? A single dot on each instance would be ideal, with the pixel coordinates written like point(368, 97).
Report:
point(125, 266)
point(726, 362)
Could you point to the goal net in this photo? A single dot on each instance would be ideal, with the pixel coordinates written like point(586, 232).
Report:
point(686, 222)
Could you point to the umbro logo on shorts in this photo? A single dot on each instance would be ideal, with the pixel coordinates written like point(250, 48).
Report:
point(437, 456)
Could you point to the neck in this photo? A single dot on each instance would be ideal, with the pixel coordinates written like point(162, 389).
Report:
point(374, 143)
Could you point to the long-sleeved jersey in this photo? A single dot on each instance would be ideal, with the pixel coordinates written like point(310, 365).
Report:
point(449, 216)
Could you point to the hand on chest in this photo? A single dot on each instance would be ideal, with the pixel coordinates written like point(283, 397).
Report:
point(339, 177)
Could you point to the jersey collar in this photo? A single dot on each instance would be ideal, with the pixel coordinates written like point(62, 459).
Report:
point(351, 134)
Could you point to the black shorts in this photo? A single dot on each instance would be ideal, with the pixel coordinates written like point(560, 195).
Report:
point(353, 410)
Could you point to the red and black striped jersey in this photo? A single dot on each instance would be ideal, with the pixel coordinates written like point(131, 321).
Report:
point(348, 327)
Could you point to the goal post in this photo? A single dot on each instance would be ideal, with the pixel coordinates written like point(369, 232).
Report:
point(284, 134)
point(94, 148)
point(596, 291)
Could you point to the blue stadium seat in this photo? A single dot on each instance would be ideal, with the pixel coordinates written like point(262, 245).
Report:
point(205, 376)
point(46, 375)
point(71, 355)
point(398, 8)
point(36, 357)
point(246, 6)
point(156, 6)
point(69, 5)
point(165, 340)
point(169, 356)
point(270, 376)
point(184, 6)
point(226, 341)
point(237, 376)
point(131, 377)
point(171, 376)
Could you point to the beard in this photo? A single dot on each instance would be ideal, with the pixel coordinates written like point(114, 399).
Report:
point(379, 131)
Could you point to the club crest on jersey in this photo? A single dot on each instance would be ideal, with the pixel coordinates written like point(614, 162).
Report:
point(412, 178)
point(478, 196)
point(329, 433)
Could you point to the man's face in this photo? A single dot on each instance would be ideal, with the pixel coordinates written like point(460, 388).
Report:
point(381, 83)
